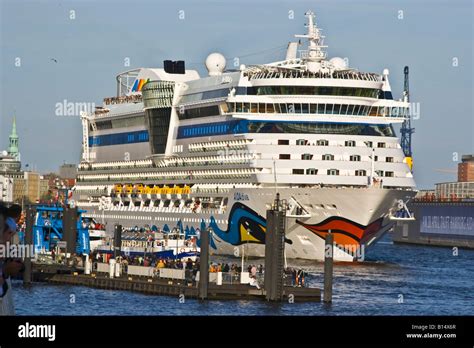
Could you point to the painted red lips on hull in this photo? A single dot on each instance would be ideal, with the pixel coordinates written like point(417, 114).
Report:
point(346, 232)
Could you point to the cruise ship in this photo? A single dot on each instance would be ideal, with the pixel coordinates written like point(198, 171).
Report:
point(173, 149)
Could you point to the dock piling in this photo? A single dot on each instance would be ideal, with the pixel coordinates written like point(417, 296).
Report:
point(275, 251)
point(30, 221)
point(70, 229)
point(204, 265)
point(87, 265)
point(117, 240)
point(328, 267)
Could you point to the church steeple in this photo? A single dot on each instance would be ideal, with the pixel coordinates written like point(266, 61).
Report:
point(13, 142)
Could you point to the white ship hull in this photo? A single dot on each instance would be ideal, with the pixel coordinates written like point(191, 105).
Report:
point(357, 217)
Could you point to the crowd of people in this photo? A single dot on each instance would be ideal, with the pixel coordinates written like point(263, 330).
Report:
point(293, 276)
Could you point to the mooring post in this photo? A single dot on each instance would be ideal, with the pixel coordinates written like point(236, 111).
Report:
point(87, 265)
point(275, 251)
point(30, 221)
point(117, 240)
point(70, 230)
point(204, 265)
point(328, 267)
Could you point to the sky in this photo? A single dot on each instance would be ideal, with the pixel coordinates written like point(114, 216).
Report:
point(56, 51)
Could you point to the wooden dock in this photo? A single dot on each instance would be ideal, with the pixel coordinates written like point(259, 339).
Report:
point(57, 274)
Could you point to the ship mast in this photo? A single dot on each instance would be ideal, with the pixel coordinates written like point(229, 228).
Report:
point(315, 52)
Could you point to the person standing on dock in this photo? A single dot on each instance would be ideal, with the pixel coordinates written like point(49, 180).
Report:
point(8, 267)
point(300, 278)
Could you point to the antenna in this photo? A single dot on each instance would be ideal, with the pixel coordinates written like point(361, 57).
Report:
point(406, 130)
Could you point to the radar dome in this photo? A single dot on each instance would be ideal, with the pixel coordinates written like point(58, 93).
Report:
point(215, 64)
point(338, 63)
point(4, 153)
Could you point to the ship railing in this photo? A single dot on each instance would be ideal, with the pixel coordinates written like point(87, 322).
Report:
point(134, 98)
point(208, 190)
point(434, 199)
point(230, 278)
point(268, 72)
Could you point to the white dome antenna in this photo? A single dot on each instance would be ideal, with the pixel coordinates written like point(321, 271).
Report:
point(338, 63)
point(215, 64)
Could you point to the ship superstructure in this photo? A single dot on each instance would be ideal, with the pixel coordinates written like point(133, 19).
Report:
point(176, 149)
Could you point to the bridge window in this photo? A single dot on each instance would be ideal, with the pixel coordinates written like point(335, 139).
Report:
point(329, 108)
point(298, 171)
point(389, 174)
point(205, 111)
point(343, 109)
point(361, 172)
point(333, 172)
point(285, 156)
point(283, 142)
point(389, 159)
point(306, 156)
point(311, 171)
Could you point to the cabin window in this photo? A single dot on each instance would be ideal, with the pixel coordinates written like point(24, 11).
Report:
point(350, 143)
point(328, 157)
point(355, 158)
point(301, 142)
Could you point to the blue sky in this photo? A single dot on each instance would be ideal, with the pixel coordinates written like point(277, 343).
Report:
point(91, 48)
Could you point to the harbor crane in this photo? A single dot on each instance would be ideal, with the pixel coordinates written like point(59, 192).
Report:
point(406, 130)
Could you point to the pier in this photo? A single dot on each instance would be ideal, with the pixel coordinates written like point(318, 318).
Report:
point(152, 285)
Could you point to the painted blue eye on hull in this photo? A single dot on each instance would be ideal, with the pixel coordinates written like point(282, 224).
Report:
point(241, 216)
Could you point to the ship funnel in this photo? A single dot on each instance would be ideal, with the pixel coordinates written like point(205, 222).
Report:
point(292, 50)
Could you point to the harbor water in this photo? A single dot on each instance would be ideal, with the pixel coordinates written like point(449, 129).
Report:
point(394, 280)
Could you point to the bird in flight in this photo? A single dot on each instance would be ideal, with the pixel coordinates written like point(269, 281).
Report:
point(54, 60)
